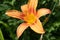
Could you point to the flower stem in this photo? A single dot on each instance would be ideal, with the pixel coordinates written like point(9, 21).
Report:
point(41, 37)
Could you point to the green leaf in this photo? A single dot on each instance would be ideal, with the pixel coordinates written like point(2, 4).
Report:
point(12, 2)
point(4, 7)
point(1, 35)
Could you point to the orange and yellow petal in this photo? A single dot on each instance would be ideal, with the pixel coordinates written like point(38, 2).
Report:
point(37, 27)
point(42, 12)
point(13, 13)
point(24, 8)
point(21, 29)
point(32, 4)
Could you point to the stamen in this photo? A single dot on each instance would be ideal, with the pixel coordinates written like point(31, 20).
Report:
point(30, 18)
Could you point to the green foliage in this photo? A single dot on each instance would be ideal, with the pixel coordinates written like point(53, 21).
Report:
point(1, 35)
point(8, 25)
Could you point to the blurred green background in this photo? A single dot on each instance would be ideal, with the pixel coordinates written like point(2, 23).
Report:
point(8, 25)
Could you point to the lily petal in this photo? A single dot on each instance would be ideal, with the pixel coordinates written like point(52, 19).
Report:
point(33, 4)
point(13, 13)
point(42, 12)
point(37, 27)
point(24, 8)
point(21, 29)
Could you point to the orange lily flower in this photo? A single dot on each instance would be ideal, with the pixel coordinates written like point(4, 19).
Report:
point(30, 17)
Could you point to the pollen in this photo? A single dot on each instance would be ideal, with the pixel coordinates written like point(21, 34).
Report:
point(30, 18)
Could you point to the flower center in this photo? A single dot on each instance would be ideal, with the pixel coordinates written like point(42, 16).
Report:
point(30, 18)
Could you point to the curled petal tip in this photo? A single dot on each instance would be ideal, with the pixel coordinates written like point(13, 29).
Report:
point(18, 34)
point(49, 11)
point(42, 32)
point(17, 37)
point(6, 13)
